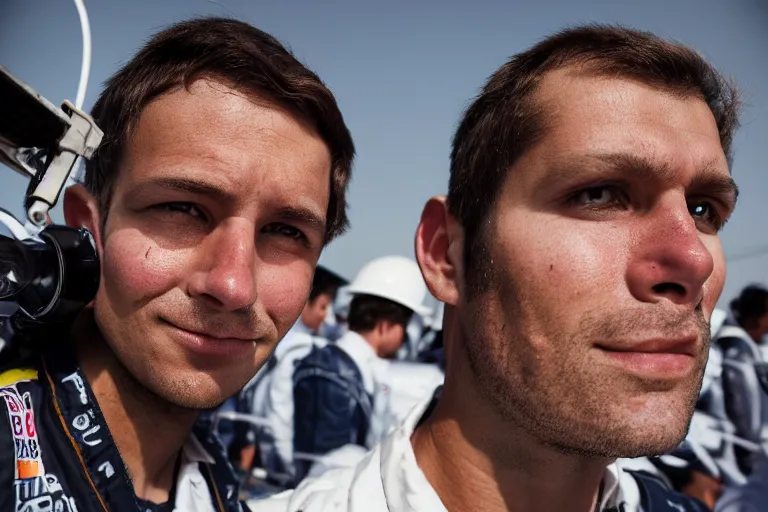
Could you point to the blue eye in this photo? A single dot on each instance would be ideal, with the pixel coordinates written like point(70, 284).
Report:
point(708, 214)
point(700, 209)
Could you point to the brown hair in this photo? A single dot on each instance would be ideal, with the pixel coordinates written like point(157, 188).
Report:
point(243, 57)
point(365, 311)
point(504, 121)
point(750, 306)
point(325, 282)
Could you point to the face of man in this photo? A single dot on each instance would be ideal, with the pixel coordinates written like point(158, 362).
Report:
point(601, 267)
point(315, 311)
point(215, 226)
point(391, 339)
point(762, 327)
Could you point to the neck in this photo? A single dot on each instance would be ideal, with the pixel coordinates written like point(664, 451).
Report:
point(148, 431)
point(476, 460)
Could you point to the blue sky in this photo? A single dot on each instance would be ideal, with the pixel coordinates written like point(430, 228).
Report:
point(403, 71)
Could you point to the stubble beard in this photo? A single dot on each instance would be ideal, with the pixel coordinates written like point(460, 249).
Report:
point(561, 398)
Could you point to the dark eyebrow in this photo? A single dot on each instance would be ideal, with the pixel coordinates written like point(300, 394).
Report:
point(298, 214)
point(640, 167)
point(566, 169)
point(184, 185)
point(709, 179)
point(716, 184)
point(301, 215)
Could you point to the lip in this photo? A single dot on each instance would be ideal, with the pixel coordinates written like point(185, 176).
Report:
point(663, 359)
point(210, 346)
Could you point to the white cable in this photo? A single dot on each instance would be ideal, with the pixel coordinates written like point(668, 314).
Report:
point(85, 68)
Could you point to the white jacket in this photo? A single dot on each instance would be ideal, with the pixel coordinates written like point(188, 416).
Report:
point(192, 493)
point(373, 370)
point(389, 479)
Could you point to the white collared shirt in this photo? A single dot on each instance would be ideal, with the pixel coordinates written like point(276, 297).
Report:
point(364, 357)
point(389, 479)
point(374, 373)
point(192, 492)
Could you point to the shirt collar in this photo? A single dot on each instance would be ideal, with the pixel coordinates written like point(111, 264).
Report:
point(193, 451)
point(407, 488)
point(619, 490)
point(364, 357)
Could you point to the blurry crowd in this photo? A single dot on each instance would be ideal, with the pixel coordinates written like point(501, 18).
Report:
point(364, 353)
point(360, 357)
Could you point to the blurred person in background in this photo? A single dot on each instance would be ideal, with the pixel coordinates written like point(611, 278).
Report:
point(749, 311)
point(742, 388)
point(340, 390)
point(334, 330)
point(270, 395)
point(325, 286)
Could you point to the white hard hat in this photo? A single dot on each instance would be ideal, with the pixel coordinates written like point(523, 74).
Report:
point(396, 278)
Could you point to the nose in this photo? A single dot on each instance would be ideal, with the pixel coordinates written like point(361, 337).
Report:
point(669, 259)
point(226, 278)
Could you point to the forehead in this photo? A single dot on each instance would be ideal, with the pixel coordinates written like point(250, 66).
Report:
point(213, 133)
point(585, 113)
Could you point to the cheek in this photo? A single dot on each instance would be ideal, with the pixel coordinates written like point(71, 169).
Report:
point(283, 291)
point(136, 267)
point(396, 335)
point(564, 265)
point(316, 313)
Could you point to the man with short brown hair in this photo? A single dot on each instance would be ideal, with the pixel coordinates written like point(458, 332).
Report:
point(578, 256)
point(325, 284)
point(221, 176)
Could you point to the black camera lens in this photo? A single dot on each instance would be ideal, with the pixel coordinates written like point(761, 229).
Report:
point(52, 276)
point(31, 273)
point(14, 267)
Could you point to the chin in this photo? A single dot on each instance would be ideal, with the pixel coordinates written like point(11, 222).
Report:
point(621, 442)
point(198, 402)
point(647, 423)
point(649, 446)
point(193, 390)
point(632, 436)
point(189, 387)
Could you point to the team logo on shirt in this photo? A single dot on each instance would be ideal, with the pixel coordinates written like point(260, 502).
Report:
point(36, 491)
point(29, 464)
